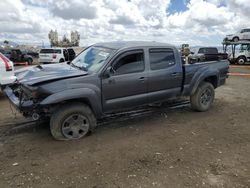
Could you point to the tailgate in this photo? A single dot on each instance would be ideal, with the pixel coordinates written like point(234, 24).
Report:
point(46, 57)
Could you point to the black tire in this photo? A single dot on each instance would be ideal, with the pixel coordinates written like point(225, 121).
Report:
point(236, 39)
point(203, 97)
point(60, 127)
point(231, 62)
point(30, 61)
point(241, 60)
point(2, 87)
point(61, 61)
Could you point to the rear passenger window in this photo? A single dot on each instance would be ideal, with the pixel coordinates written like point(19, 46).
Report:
point(161, 58)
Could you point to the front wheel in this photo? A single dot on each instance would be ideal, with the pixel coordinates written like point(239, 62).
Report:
point(236, 39)
point(72, 121)
point(203, 97)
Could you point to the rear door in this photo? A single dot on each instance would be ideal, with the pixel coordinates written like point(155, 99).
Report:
point(71, 53)
point(165, 76)
point(127, 85)
point(66, 55)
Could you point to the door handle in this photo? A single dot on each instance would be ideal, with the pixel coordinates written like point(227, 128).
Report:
point(142, 78)
point(174, 74)
point(111, 81)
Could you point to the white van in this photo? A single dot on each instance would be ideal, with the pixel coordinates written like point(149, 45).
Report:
point(56, 55)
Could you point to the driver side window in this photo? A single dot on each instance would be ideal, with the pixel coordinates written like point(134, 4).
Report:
point(129, 63)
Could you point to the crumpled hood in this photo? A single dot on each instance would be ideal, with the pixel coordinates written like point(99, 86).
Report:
point(43, 73)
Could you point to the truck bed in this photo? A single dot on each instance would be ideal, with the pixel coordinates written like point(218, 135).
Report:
point(195, 72)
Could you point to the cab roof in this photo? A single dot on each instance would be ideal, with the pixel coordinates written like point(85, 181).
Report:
point(131, 44)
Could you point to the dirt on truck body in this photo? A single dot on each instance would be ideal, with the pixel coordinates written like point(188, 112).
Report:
point(110, 77)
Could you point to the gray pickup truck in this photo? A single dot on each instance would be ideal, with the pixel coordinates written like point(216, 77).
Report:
point(110, 77)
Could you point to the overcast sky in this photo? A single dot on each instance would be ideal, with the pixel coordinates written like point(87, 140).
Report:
point(197, 22)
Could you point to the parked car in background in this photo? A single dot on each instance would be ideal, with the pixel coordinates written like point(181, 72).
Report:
point(206, 54)
point(56, 55)
point(244, 34)
point(111, 77)
point(241, 56)
point(31, 53)
point(6, 71)
point(16, 56)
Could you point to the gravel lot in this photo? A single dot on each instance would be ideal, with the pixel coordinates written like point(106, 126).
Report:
point(165, 148)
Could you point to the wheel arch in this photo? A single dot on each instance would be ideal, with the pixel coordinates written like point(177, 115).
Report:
point(236, 37)
point(206, 77)
point(242, 56)
point(213, 80)
point(84, 95)
point(61, 60)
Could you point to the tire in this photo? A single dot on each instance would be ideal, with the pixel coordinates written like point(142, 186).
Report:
point(61, 61)
point(30, 61)
point(231, 62)
point(236, 39)
point(203, 97)
point(2, 87)
point(62, 127)
point(241, 60)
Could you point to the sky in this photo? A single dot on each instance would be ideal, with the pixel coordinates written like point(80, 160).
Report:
point(196, 22)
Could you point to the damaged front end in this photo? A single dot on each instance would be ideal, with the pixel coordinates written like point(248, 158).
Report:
point(26, 99)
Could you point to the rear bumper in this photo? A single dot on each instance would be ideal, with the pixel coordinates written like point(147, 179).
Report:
point(48, 61)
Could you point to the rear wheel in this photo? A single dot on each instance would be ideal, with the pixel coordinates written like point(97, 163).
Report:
point(203, 97)
point(72, 121)
point(241, 60)
point(61, 61)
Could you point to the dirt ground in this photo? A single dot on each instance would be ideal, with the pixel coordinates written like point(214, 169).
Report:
point(171, 148)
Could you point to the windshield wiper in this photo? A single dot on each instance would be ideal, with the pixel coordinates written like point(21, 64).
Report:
point(80, 68)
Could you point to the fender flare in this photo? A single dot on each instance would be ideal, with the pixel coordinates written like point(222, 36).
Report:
point(78, 94)
point(201, 76)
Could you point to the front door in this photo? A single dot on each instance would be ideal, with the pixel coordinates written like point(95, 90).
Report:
point(126, 85)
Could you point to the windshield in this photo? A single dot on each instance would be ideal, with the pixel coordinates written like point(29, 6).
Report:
point(92, 58)
point(244, 47)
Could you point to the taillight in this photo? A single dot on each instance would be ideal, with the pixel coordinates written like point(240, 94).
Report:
point(54, 56)
point(7, 63)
